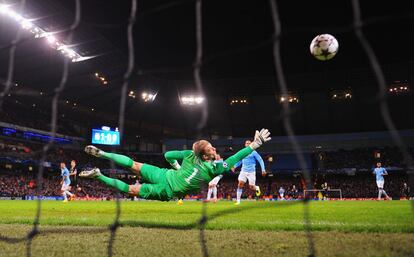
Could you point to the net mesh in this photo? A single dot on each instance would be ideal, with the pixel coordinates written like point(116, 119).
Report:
point(357, 25)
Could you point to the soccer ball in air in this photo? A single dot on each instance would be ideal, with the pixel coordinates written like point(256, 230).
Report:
point(324, 47)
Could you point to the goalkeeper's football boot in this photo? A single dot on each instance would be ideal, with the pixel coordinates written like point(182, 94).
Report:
point(92, 150)
point(92, 173)
point(258, 193)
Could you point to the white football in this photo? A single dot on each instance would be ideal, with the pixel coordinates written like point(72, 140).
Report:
point(324, 47)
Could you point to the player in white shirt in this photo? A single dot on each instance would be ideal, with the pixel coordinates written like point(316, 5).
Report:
point(212, 188)
point(212, 185)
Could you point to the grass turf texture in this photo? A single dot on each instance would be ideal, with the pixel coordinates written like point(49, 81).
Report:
point(252, 229)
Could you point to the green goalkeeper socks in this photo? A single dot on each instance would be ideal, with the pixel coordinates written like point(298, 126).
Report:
point(116, 183)
point(119, 159)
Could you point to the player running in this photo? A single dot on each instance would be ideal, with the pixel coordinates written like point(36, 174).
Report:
point(282, 193)
point(65, 182)
point(248, 172)
point(380, 172)
point(198, 166)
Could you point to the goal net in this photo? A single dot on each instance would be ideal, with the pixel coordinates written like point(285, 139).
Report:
point(323, 194)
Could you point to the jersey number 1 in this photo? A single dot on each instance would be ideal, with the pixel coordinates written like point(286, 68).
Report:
point(191, 176)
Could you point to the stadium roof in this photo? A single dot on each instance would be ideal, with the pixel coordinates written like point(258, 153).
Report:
point(237, 49)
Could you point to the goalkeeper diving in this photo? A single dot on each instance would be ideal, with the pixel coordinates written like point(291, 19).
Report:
point(198, 167)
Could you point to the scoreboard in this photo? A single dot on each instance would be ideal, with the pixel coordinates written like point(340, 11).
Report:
point(105, 136)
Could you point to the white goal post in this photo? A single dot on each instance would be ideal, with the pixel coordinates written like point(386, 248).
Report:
point(321, 190)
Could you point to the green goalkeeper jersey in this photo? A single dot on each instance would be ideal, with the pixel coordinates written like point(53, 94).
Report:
point(194, 171)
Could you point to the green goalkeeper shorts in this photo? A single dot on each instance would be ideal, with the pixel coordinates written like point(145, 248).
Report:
point(156, 186)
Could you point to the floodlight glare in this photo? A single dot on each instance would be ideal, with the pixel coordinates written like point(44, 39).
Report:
point(26, 24)
point(191, 100)
point(4, 8)
point(39, 33)
point(51, 39)
point(148, 97)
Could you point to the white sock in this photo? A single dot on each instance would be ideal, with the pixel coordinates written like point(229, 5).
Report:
point(215, 192)
point(385, 193)
point(239, 193)
point(69, 193)
point(209, 193)
point(64, 196)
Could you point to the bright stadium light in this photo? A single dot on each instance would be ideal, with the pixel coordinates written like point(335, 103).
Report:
point(290, 98)
point(40, 33)
point(3, 8)
point(26, 24)
point(101, 78)
point(131, 94)
point(238, 101)
point(191, 100)
point(341, 95)
point(51, 39)
point(148, 97)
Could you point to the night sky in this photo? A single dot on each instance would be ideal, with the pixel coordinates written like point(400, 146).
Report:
point(237, 34)
point(237, 58)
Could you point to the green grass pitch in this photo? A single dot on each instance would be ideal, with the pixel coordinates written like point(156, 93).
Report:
point(340, 228)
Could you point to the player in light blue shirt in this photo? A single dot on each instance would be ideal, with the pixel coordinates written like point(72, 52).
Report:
point(282, 193)
point(65, 182)
point(248, 172)
point(380, 172)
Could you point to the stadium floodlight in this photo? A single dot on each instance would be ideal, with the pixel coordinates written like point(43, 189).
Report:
point(148, 97)
point(191, 100)
point(399, 87)
point(290, 98)
point(40, 33)
point(101, 78)
point(238, 101)
point(51, 39)
point(3, 8)
point(341, 94)
point(26, 24)
point(131, 94)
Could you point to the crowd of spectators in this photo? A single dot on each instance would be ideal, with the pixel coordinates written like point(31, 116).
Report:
point(16, 180)
point(361, 158)
point(361, 185)
point(20, 186)
point(37, 119)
